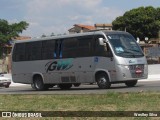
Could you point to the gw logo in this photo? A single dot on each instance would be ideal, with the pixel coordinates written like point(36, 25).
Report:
point(58, 65)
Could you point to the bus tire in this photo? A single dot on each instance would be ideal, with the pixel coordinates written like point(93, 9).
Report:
point(38, 83)
point(131, 83)
point(103, 81)
point(65, 86)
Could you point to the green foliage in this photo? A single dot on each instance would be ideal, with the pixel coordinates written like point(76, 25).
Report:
point(52, 34)
point(140, 22)
point(111, 101)
point(9, 31)
point(43, 36)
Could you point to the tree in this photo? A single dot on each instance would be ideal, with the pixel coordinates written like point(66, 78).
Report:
point(10, 31)
point(140, 22)
point(52, 34)
point(43, 36)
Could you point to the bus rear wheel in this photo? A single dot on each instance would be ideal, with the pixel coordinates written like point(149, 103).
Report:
point(65, 86)
point(103, 81)
point(38, 83)
point(131, 83)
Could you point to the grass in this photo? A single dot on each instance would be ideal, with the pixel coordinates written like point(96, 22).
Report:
point(144, 101)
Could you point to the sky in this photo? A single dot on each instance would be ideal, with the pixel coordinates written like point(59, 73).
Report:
point(58, 16)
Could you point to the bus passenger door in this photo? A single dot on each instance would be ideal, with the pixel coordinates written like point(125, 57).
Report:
point(85, 70)
point(104, 58)
point(85, 59)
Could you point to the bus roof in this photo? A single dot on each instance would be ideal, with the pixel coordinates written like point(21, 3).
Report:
point(73, 35)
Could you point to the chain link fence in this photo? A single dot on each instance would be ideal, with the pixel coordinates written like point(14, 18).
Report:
point(153, 54)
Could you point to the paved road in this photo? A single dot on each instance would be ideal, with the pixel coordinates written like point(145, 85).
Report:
point(85, 89)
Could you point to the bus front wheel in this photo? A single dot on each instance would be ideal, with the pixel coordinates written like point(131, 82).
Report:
point(103, 81)
point(131, 83)
point(38, 83)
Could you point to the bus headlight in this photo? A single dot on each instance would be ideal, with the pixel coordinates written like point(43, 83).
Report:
point(124, 67)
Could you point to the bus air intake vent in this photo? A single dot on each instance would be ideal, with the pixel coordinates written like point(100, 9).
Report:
point(65, 79)
point(137, 71)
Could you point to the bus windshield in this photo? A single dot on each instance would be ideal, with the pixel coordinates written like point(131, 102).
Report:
point(124, 45)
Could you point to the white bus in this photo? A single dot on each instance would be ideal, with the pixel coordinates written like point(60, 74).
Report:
point(102, 57)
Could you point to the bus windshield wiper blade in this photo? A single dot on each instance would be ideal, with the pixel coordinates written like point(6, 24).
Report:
point(127, 53)
point(133, 50)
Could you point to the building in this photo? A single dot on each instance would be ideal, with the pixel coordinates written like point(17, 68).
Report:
point(103, 26)
point(79, 28)
point(22, 38)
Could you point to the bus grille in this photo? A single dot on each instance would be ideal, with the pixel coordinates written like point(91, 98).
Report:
point(133, 69)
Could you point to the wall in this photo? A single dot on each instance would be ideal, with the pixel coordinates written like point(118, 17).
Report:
point(154, 69)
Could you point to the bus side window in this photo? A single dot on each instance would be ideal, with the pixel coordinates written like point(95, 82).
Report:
point(34, 50)
point(69, 47)
point(19, 52)
point(60, 49)
point(99, 49)
point(55, 52)
point(102, 50)
point(48, 49)
point(85, 46)
point(28, 53)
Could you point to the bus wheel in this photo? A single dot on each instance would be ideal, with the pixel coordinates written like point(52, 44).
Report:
point(65, 86)
point(38, 83)
point(103, 81)
point(131, 83)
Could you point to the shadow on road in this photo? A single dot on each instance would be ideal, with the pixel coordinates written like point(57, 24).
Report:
point(83, 89)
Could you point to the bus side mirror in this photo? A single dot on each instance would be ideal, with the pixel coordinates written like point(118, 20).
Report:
point(101, 41)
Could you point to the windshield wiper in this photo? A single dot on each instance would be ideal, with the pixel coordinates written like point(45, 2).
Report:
point(127, 53)
point(133, 50)
point(138, 53)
